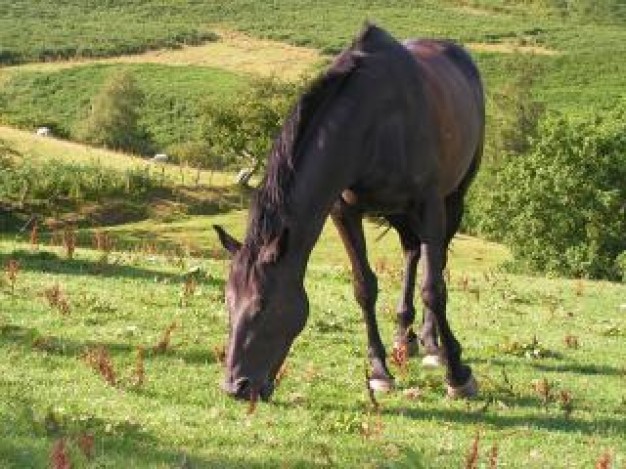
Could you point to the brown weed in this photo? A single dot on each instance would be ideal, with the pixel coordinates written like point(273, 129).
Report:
point(164, 343)
point(99, 360)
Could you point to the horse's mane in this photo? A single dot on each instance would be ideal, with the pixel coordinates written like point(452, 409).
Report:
point(269, 210)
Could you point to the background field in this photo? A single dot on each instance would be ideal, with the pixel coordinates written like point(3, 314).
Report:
point(581, 75)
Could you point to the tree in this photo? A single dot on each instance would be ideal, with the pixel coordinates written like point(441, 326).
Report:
point(243, 132)
point(113, 120)
point(517, 112)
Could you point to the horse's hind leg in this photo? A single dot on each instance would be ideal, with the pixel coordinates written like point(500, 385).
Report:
point(428, 333)
point(434, 295)
point(349, 222)
point(405, 338)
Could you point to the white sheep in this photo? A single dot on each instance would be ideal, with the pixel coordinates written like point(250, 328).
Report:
point(159, 158)
point(43, 132)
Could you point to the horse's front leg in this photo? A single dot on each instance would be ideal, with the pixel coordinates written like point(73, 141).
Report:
point(349, 223)
point(459, 377)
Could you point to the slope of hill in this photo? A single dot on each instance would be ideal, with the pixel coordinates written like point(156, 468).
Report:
point(574, 57)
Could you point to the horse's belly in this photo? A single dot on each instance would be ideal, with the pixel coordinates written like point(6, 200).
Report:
point(385, 197)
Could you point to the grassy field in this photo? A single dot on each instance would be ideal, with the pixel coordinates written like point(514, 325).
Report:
point(111, 354)
point(548, 354)
point(234, 51)
point(61, 98)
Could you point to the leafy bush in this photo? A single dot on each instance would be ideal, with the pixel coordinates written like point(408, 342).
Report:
point(6, 154)
point(515, 111)
point(562, 207)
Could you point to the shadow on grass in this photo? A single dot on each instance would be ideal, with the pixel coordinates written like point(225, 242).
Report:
point(48, 262)
point(599, 426)
point(30, 443)
point(579, 368)
point(567, 366)
point(605, 426)
point(32, 340)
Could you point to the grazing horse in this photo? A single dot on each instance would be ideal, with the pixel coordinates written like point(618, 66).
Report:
point(393, 130)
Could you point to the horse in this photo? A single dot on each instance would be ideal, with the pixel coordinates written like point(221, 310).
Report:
point(394, 130)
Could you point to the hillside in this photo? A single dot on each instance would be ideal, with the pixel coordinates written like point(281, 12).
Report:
point(572, 56)
point(64, 183)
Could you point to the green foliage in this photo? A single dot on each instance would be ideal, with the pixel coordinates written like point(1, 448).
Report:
point(244, 131)
point(45, 31)
point(110, 28)
point(113, 118)
point(620, 262)
point(604, 11)
point(194, 153)
point(55, 180)
point(562, 207)
point(7, 153)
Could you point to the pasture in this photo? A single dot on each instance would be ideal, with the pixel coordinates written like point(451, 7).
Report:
point(112, 330)
point(547, 352)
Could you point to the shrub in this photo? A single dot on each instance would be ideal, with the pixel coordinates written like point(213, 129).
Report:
point(562, 207)
point(515, 111)
point(195, 154)
point(7, 154)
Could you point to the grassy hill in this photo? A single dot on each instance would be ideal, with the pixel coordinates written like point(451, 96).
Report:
point(576, 66)
point(61, 182)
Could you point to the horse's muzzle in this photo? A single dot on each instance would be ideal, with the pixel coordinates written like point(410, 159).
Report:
point(245, 389)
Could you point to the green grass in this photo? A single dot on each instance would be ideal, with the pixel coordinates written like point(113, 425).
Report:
point(38, 30)
point(320, 414)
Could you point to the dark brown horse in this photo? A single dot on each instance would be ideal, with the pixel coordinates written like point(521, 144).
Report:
point(394, 130)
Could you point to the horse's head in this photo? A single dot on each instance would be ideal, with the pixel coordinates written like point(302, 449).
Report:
point(267, 309)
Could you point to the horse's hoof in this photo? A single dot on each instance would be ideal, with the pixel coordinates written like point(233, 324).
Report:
point(465, 391)
point(381, 385)
point(433, 361)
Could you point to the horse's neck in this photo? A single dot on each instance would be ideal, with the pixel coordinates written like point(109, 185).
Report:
point(325, 170)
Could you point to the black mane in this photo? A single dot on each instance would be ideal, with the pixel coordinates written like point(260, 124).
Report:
point(269, 212)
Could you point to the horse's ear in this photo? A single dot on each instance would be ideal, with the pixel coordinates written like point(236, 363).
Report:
point(229, 243)
point(273, 250)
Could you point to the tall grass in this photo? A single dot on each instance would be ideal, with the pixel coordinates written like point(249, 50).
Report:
point(55, 180)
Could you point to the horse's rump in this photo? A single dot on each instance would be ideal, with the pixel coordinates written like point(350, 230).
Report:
point(454, 93)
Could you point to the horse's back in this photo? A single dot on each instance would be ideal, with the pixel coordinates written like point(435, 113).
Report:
point(454, 93)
